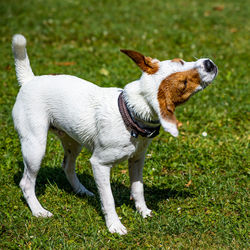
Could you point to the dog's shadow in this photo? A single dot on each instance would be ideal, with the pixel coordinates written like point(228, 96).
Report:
point(55, 175)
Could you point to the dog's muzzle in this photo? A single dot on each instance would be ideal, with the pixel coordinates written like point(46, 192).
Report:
point(207, 70)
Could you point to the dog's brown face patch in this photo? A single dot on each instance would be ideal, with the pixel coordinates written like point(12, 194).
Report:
point(176, 89)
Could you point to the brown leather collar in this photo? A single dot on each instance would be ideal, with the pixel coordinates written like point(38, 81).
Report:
point(149, 132)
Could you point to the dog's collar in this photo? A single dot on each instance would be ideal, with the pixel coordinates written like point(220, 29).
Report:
point(136, 129)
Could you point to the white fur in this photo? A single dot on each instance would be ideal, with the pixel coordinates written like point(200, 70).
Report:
point(23, 70)
point(83, 114)
point(169, 127)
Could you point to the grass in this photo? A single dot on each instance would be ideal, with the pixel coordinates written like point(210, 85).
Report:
point(196, 185)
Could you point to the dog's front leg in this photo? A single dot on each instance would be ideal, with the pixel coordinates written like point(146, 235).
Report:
point(102, 179)
point(136, 182)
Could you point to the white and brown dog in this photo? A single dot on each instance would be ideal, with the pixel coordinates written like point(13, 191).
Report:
point(114, 124)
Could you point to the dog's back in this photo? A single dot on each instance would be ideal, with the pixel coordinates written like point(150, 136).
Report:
point(66, 102)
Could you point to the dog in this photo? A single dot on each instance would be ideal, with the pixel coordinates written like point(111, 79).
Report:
point(114, 124)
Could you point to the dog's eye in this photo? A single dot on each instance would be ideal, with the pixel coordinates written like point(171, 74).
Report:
point(185, 83)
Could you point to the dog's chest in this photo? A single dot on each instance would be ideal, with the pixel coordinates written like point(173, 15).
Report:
point(122, 149)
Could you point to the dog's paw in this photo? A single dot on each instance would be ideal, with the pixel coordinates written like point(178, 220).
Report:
point(146, 213)
point(83, 191)
point(42, 213)
point(117, 227)
point(88, 193)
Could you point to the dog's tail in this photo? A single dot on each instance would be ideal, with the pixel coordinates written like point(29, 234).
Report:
point(23, 70)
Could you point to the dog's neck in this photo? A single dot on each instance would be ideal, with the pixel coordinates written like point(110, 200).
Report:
point(137, 103)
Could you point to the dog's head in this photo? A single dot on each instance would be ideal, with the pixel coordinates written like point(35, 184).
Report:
point(166, 84)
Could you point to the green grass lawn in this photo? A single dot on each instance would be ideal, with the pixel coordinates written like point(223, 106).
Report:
point(197, 186)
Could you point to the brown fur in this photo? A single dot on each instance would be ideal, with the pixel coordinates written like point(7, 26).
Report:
point(178, 60)
point(145, 63)
point(176, 89)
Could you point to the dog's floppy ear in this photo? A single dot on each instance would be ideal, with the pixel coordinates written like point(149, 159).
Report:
point(146, 64)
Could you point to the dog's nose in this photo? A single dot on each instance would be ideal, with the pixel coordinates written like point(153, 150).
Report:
point(209, 65)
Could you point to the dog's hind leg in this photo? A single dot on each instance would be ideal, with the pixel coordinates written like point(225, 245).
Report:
point(33, 150)
point(71, 151)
